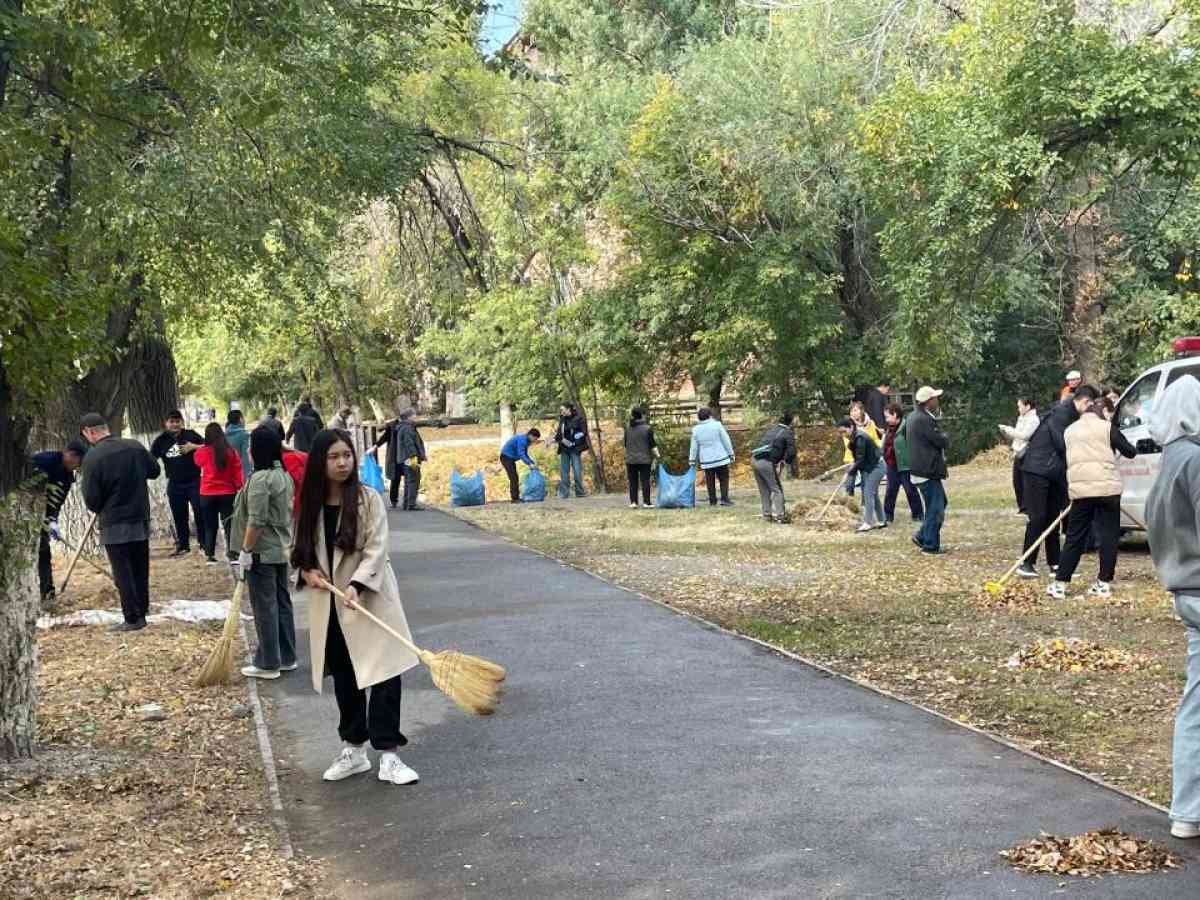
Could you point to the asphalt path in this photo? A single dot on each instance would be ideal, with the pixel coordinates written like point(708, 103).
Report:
point(640, 754)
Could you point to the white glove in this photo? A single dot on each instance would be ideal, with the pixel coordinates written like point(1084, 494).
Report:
point(246, 561)
point(52, 527)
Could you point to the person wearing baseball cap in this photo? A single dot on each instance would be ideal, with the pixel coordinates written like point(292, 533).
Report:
point(1073, 380)
point(927, 445)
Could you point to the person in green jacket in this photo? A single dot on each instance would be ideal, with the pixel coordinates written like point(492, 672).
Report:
point(237, 437)
point(895, 457)
point(263, 512)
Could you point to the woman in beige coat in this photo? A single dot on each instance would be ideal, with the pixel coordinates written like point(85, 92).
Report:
point(342, 537)
point(1094, 485)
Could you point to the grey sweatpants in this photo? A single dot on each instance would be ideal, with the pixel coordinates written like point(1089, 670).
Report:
point(770, 491)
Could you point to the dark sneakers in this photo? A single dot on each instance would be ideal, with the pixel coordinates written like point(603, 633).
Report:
point(181, 551)
point(128, 626)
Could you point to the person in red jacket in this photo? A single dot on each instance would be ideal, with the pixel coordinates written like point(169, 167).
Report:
point(221, 478)
point(294, 462)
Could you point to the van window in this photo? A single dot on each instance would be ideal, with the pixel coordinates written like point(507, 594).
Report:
point(1193, 370)
point(1138, 402)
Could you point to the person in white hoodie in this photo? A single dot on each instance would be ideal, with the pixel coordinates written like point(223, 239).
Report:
point(1018, 435)
point(712, 450)
point(1172, 511)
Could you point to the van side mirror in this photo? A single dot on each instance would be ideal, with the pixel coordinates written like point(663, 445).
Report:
point(1147, 445)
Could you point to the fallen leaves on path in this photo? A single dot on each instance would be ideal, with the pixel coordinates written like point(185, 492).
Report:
point(1093, 853)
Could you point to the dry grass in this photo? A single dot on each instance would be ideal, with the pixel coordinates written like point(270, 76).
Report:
point(115, 806)
point(873, 607)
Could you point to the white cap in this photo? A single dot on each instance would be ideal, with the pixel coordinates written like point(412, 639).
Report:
point(927, 393)
point(1074, 375)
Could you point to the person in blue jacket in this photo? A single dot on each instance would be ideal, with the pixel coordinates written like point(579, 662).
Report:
point(517, 448)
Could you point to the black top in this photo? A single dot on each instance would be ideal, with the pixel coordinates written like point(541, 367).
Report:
point(180, 467)
point(571, 434)
point(778, 445)
point(876, 403)
point(639, 443)
point(115, 472)
point(866, 455)
point(927, 445)
point(1046, 452)
point(331, 524)
point(58, 479)
point(301, 432)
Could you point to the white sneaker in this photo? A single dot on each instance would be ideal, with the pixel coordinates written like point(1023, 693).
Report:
point(633, 506)
point(351, 761)
point(1185, 830)
point(1100, 589)
point(393, 769)
point(863, 528)
point(1057, 590)
point(292, 668)
point(256, 672)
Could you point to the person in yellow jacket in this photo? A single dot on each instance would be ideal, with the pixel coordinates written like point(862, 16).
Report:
point(862, 423)
point(1094, 486)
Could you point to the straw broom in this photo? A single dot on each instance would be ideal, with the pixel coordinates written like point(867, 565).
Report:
point(471, 682)
point(219, 667)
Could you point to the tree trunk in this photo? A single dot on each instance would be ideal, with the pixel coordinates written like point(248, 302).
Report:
point(1085, 308)
point(709, 387)
point(599, 479)
point(19, 606)
point(506, 422)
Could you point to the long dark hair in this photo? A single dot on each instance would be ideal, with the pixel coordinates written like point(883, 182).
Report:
point(636, 415)
point(214, 436)
point(312, 502)
point(265, 448)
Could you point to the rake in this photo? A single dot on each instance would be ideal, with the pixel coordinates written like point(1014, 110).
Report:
point(87, 533)
point(471, 682)
point(829, 502)
point(995, 587)
point(87, 559)
point(218, 668)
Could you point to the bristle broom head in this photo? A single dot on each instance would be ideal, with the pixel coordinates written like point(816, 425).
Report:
point(218, 668)
point(993, 587)
point(472, 683)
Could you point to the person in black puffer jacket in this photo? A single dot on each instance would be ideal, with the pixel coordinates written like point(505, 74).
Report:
point(926, 444)
point(115, 472)
point(572, 439)
point(869, 463)
point(1044, 469)
point(775, 448)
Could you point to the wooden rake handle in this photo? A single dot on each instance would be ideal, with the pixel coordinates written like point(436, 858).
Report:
point(1045, 534)
point(829, 502)
point(91, 562)
point(87, 532)
point(384, 625)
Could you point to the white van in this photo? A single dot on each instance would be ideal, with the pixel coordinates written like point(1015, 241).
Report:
point(1133, 413)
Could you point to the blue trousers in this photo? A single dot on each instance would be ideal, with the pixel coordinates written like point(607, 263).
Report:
point(568, 463)
point(929, 535)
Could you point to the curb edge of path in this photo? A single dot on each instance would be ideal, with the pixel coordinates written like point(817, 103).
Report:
point(267, 752)
point(820, 667)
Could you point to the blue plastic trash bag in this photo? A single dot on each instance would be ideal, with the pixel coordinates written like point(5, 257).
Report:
point(370, 474)
point(533, 488)
point(676, 491)
point(466, 490)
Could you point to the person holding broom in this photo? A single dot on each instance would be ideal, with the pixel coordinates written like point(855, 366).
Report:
point(341, 541)
point(262, 519)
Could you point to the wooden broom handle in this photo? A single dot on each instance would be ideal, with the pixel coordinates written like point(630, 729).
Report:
point(1045, 534)
point(384, 625)
point(87, 532)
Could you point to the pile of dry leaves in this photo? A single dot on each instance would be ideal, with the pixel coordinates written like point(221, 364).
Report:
point(143, 784)
point(808, 511)
point(1074, 655)
point(1094, 853)
point(1016, 596)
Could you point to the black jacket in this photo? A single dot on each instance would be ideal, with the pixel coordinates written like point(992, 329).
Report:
point(180, 467)
point(58, 479)
point(301, 432)
point(1120, 443)
point(927, 445)
point(272, 423)
point(639, 444)
point(571, 434)
point(403, 442)
point(1046, 453)
point(875, 404)
point(866, 456)
point(778, 444)
point(115, 473)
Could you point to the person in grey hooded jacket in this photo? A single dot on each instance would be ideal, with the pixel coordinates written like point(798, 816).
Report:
point(1172, 520)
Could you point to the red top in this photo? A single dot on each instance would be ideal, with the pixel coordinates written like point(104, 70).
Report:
point(213, 481)
point(295, 461)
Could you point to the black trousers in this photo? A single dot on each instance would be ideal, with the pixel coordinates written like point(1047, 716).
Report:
point(179, 497)
point(1019, 485)
point(638, 473)
point(412, 484)
point(514, 483)
point(1092, 515)
point(131, 571)
point(45, 571)
point(896, 480)
point(361, 719)
point(1044, 500)
point(394, 488)
point(216, 510)
point(711, 477)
